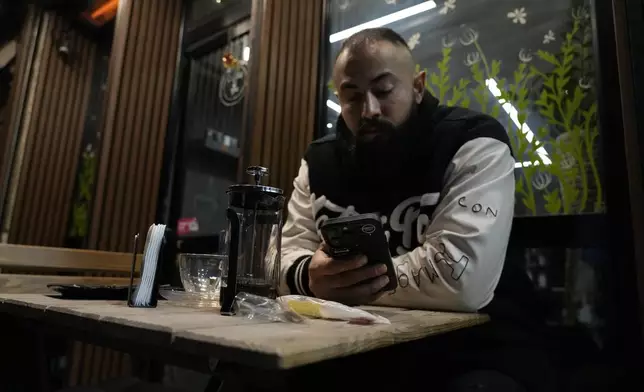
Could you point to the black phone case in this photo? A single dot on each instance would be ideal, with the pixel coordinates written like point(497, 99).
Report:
point(360, 235)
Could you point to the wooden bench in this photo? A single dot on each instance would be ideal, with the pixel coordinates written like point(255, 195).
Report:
point(29, 269)
point(44, 258)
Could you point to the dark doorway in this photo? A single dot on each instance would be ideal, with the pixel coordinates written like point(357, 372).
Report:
point(208, 118)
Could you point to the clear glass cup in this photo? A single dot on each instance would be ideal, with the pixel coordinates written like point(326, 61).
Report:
point(201, 273)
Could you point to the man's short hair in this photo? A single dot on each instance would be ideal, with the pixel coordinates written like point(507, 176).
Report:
point(375, 34)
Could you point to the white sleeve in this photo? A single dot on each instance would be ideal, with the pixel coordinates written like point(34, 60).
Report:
point(300, 238)
point(459, 263)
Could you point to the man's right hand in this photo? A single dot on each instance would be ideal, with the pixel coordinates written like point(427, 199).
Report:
point(349, 281)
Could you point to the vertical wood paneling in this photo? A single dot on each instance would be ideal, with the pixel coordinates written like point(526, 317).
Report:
point(13, 114)
point(139, 87)
point(142, 66)
point(115, 76)
point(51, 139)
point(284, 88)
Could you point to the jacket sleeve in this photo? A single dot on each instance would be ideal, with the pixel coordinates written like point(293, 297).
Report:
point(300, 238)
point(459, 263)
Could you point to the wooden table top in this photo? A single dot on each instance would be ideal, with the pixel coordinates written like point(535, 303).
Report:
point(254, 343)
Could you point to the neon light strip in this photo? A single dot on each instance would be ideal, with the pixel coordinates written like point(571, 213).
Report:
point(333, 106)
point(514, 116)
point(385, 20)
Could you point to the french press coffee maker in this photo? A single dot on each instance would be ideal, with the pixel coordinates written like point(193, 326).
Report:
point(254, 240)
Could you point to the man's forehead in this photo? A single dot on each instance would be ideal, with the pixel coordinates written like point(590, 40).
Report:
point(368, 57)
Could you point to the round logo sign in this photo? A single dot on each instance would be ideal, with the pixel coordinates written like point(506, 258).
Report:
point(368, 229)
point(232, 85)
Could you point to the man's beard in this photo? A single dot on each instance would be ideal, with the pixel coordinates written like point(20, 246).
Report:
point(379, 145)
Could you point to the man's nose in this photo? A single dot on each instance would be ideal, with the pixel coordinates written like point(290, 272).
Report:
point(371, 106)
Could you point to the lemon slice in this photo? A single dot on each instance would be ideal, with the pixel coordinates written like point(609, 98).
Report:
point(305, 308)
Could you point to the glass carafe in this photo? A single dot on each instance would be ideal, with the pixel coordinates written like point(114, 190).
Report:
point(254, 240)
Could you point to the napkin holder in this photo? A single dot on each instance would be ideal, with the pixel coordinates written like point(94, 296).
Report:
point(152, 303)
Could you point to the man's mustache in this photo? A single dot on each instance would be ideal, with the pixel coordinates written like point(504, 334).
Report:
point(371, 125)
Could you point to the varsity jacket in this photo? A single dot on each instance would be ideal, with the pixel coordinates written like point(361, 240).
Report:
point(447, 211)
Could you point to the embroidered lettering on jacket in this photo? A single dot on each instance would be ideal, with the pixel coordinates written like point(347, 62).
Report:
point(409, 220)
point(404, 267)
point(457, 267)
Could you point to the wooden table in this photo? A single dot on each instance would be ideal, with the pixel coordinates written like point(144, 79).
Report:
point(201, 338)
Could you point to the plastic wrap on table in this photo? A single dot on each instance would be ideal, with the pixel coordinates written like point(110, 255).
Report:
point(294, 309)
point(257, 307)
point(319, 308)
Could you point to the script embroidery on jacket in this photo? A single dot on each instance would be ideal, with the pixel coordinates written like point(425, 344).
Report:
point(409, 219)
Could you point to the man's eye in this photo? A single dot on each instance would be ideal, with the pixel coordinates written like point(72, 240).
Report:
point(382, 93)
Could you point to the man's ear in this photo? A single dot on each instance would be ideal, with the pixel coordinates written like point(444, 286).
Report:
point(419, 86)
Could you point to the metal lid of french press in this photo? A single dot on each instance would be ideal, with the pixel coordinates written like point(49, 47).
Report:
point(256, 195)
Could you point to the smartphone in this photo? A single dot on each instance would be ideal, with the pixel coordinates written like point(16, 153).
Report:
point(356, 235)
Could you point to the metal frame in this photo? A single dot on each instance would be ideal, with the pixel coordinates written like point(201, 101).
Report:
point(620, 217)
point(210, 24)
point(559, 231)
point(636, 29)
point(172, 153)
point(322, 58)
point(256, 20)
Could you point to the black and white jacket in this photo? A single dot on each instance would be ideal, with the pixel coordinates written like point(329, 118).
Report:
point(447, 213)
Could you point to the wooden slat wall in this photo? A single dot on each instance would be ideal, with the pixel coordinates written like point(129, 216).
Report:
point(13, 117)
point(142, 67)
point(284, 87)
point(51, 139)
point(18, 82)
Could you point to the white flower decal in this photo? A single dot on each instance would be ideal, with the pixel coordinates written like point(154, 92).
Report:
point(585, 83)
point(518, 15)
point(472, 58)
point(469, 37)
point(413, 40)
point(448, 5)
point(89, 151)
point(390, 1)
point(568, 161)
point(525, 56)
point(549, 37)
point(344, 4)
point(541, 180)
point(580, 13)
point(447, 42)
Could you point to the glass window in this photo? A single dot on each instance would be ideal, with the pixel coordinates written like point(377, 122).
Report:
point(528, 63)
point(198, 9)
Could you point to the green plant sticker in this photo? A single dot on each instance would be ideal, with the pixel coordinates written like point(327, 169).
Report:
point(558, 172)
point(547, 103)
point(83, 197)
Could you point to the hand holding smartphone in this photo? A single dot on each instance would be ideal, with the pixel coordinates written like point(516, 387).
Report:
point(353, 236)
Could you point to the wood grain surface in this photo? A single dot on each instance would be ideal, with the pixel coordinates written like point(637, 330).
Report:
point(62, 259)
point(255, 343)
